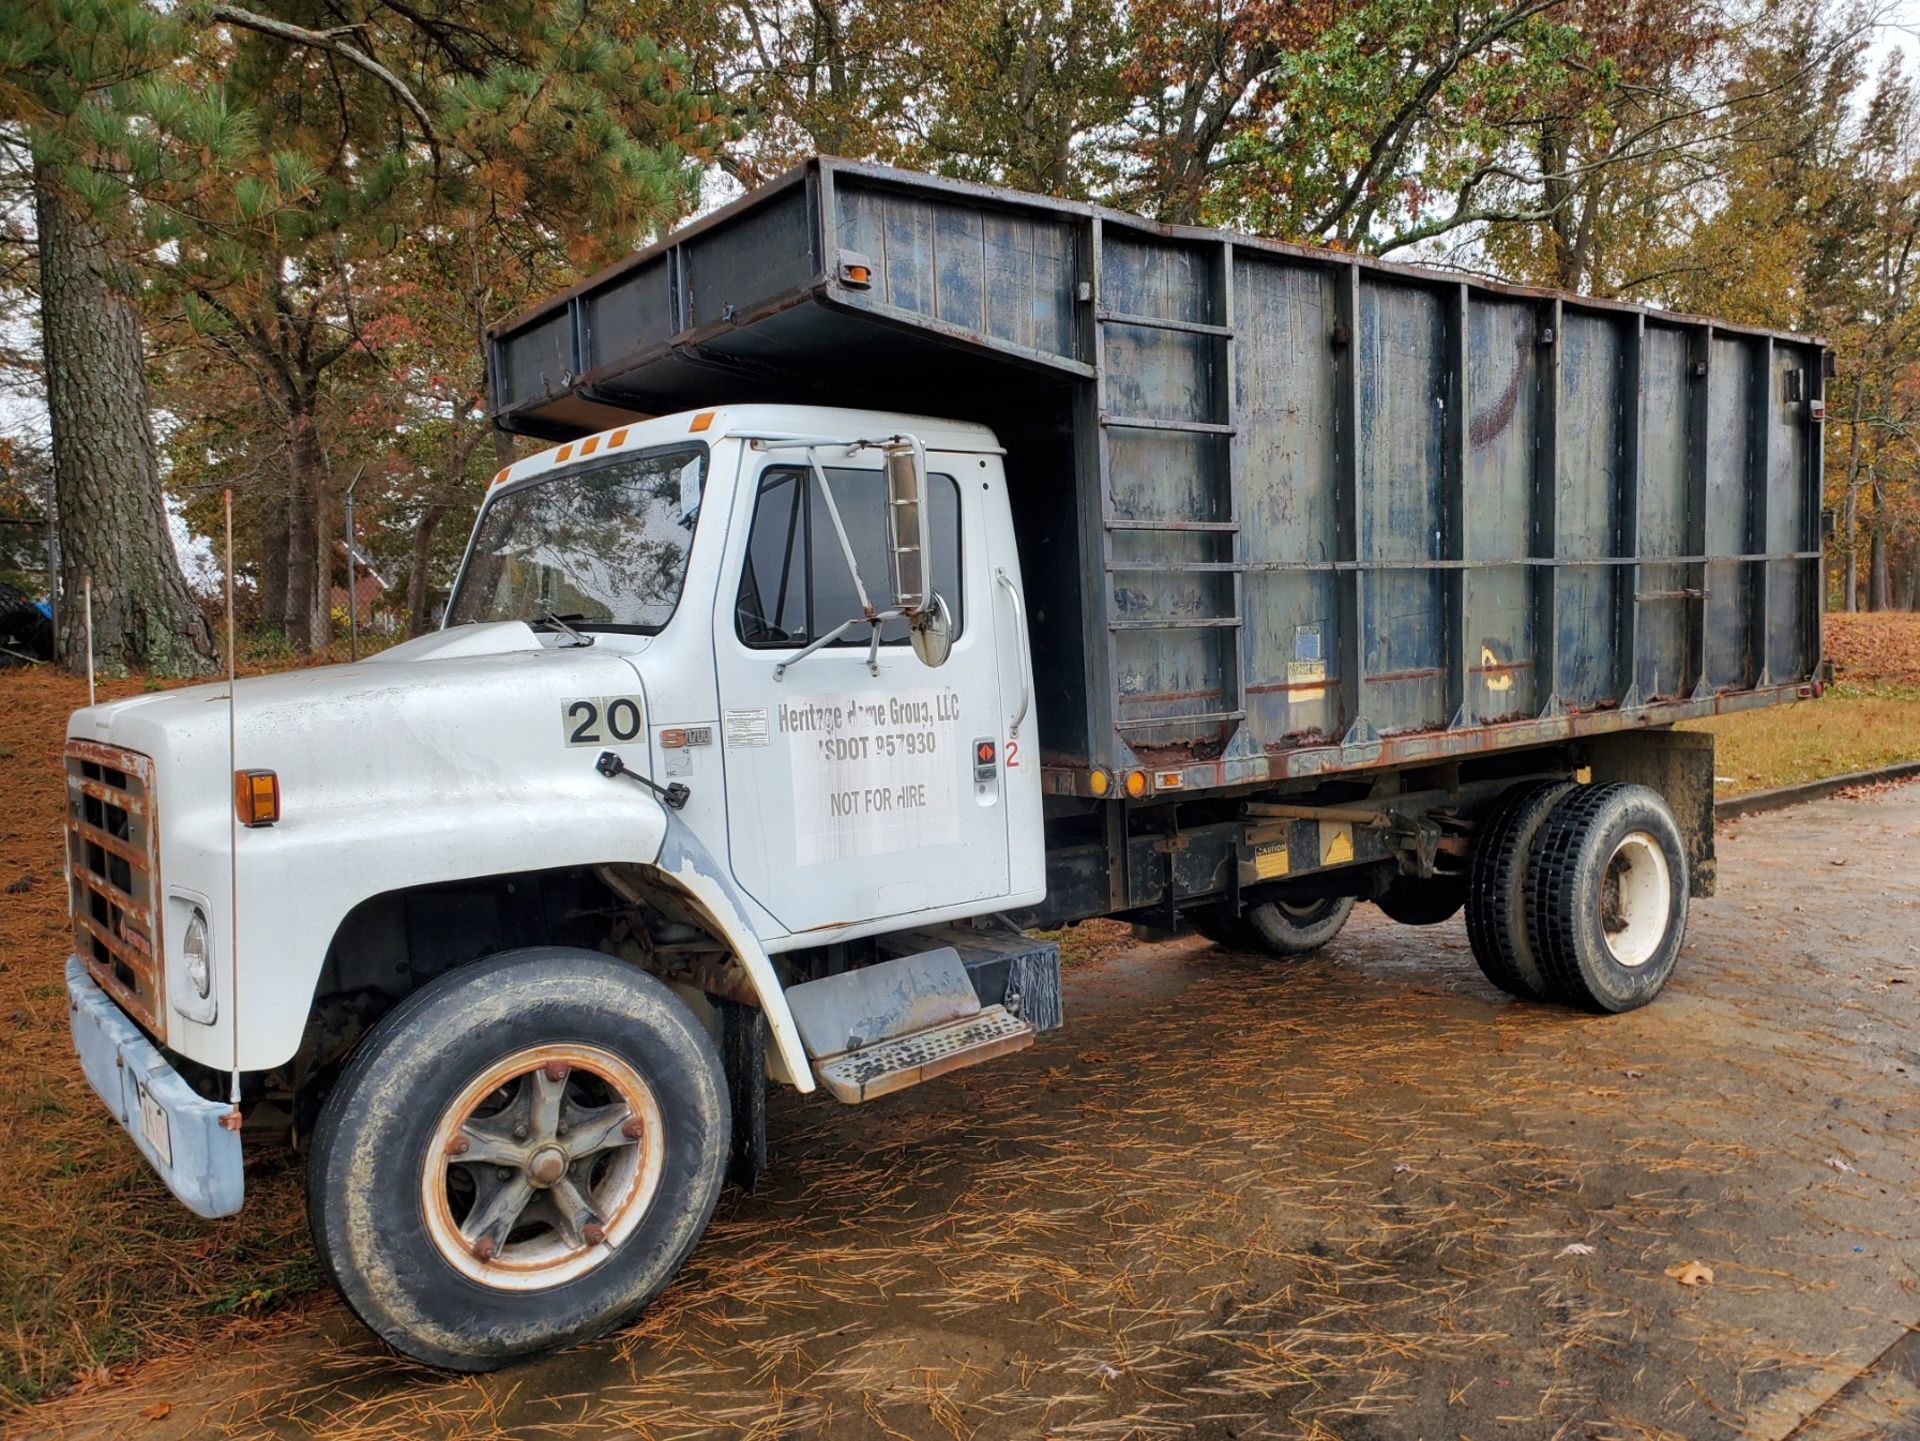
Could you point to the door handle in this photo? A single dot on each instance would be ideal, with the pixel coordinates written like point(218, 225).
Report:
point(1020, 641)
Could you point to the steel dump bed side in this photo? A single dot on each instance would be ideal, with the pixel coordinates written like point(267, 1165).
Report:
point(1282, 512)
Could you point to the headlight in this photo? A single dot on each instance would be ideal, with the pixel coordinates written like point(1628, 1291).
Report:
point(194, 947)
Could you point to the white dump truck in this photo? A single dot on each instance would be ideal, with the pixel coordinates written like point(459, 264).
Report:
point(772, 715)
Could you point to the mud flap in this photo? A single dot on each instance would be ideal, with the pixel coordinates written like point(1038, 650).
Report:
point(743, 1051)
point(1677, 764)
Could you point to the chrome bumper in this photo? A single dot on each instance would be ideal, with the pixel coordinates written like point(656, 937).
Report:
point(177, 1129)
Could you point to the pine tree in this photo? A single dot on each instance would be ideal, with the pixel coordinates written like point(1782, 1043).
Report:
point(69, 65)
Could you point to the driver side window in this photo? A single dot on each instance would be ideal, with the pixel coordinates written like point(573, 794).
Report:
point(795, 586)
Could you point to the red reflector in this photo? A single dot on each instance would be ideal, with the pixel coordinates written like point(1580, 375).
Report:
point(983, 754)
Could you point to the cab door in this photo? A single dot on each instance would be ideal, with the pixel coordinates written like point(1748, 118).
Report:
point(857, 795)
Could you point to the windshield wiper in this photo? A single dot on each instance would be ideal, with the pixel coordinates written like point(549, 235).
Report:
point(559, 623)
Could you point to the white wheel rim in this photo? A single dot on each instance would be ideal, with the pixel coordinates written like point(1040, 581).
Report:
point(1636, 899)
point(607, 1160)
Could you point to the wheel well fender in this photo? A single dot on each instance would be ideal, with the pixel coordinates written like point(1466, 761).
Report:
point(686, 865)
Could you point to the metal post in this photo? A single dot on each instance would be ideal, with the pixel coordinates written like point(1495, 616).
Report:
point(232, 1119)
point(1545, 540)
point(353, 580)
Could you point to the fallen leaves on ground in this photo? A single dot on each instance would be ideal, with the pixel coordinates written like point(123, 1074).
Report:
point(1691, 1273)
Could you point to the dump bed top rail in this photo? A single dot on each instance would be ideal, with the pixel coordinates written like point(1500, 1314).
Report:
point(651, 333)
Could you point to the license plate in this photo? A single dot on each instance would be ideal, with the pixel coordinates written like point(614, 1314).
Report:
point(153, 1125)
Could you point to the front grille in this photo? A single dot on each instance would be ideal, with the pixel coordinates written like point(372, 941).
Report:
point(114, 873)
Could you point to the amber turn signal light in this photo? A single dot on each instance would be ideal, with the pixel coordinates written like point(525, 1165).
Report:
point(256, 797)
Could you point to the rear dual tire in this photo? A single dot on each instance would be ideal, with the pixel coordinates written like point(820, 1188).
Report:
point(1607, 897)
point(1578, 894)
point(1497, 889)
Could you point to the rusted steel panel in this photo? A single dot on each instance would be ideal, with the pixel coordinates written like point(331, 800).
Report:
point(1284, 454)
point(1325, 513)
point(1661, 673)
point(1729, 502)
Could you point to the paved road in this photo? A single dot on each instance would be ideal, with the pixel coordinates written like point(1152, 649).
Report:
point(1236, 1199)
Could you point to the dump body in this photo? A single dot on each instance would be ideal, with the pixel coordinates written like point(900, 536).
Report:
point(1283, 512)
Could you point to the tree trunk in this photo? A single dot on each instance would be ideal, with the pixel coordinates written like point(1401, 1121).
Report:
point(308, 614)
point(419, 593)
point(1877, 587)
point(1851, 502)
point(111, 515)
point(273, 553)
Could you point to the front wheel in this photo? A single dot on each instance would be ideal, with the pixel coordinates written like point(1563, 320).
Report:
point(520, 1156)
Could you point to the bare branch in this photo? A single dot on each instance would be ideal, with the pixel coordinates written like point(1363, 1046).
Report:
point(329, 41)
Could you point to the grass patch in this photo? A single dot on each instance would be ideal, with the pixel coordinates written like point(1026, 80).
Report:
point(1870, 717)
point(1850, 729)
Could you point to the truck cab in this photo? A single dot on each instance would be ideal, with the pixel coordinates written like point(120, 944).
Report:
point(741, 560)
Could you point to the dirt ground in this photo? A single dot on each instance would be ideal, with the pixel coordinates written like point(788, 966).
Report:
point(1348, 1198)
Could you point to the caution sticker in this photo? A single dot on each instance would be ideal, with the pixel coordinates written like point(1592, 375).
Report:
point(1336, 843)
point(1271, 860)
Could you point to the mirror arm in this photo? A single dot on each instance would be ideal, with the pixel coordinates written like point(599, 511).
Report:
point(873, 650)
point(839, 529)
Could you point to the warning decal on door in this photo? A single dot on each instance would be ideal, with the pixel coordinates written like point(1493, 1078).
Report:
point(873, 772)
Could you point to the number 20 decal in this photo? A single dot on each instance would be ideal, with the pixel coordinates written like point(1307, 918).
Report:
point(596, 720)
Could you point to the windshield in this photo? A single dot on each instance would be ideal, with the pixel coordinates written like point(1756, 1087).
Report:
point(604, 548)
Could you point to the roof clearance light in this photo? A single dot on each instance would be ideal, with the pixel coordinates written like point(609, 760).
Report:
point(856, 270)
point(701, 421)
point(256, 797)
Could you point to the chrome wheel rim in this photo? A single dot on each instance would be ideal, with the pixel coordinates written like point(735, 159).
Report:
point(542, 1166)
point(1636, 899)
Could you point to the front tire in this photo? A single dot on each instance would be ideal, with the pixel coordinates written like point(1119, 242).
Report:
point(1607, 897)
point(520, 1156)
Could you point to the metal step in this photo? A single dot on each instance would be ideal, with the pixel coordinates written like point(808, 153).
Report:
point(901, 997)
point(1006, 966)
point(908, 1060)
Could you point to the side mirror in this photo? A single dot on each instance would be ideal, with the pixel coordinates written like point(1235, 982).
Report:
point(931, 632)
point(906, 460)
